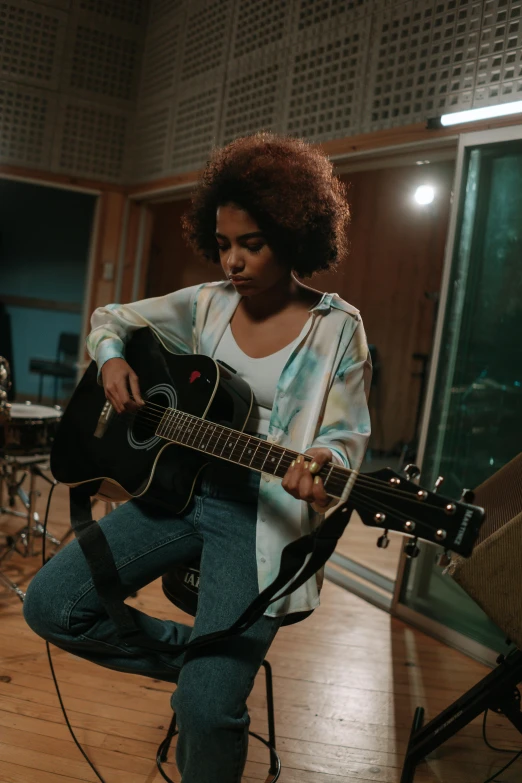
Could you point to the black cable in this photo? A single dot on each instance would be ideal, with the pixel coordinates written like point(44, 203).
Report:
point(484, 737)
point(499, 750)
point(494, 777)
point(48, 647)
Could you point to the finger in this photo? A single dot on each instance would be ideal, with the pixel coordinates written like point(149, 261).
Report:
point(319, 494)
point(123, 397)
point(135, 389)
point(306, 486)
point(290, 480)
point(113, 397)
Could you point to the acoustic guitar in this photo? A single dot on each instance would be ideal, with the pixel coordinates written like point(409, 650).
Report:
point(196, 408)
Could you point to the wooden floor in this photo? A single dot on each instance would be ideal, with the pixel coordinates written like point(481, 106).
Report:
point(346, 684)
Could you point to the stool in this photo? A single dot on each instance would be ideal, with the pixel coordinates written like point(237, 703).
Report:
point(180, 586)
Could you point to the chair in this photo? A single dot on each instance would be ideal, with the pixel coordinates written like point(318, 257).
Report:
point(63, 367)
point(180, 586)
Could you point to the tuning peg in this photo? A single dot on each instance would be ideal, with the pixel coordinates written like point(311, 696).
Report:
point(438, 483)
point(411, 548)
point(383, 541)
point(468, 496)
point(412, 472)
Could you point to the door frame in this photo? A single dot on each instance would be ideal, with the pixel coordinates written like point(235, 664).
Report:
point(423, 563)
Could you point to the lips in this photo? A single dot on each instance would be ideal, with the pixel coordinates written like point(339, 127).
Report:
point(240, 279)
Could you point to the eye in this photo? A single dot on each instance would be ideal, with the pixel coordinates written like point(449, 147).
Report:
point(255, 248)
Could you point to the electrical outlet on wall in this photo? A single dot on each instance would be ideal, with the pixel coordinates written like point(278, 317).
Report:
point(108, 271)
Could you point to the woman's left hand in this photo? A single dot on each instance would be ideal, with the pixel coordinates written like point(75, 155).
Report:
point(301, 480)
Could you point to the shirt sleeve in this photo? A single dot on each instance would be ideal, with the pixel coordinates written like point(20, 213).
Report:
point(345, 427)
point(171, 317)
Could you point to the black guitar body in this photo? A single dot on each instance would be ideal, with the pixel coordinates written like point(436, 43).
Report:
point(95, 444)
point(195, 411)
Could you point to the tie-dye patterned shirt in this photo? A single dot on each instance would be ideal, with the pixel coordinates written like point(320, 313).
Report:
point(320, 399)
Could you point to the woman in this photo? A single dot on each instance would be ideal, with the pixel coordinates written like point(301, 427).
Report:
point(266, 207)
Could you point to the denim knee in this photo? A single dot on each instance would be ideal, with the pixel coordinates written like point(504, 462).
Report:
point(40, 612)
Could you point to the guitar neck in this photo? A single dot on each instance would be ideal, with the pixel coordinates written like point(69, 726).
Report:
point(242, 449)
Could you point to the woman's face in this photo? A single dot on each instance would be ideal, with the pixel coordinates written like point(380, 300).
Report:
point(245, 256)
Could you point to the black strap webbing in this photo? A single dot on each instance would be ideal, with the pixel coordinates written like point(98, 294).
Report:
point(299, 561)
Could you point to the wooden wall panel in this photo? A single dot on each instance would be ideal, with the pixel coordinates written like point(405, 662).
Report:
point(396, 255)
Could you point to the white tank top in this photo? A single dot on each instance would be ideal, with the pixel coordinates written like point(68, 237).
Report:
point(262, 375)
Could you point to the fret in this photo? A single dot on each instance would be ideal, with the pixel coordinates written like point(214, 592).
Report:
point(328, 476)
point(283, 452)
point(159, 428)
point(183, 432)
point(237, 444)
point(173, 426)
point(249, 451)
point(266, 457)
point(168, 423)
point(175, 420)
point(174, 423)
point(260, 455)
point(255, 452)
point(205, 437)
point(246, 444)
point(197, 431)
point(219, 435)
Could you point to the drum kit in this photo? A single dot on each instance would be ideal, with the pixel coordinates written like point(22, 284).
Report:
point(26, 436)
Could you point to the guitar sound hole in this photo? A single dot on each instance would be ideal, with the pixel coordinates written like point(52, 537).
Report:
point(142, 429)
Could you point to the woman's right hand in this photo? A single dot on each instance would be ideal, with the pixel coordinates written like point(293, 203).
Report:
point(121, 385)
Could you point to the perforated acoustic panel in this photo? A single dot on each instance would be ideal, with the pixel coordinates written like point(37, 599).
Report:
point(207, 35)
point(64, 5)
point(259, 23)
point(422, 61)
point(31, 43)
point(26, 125)
point(159, 70)
point(103, 62)
point(499, 71)
point(164, 11)
point(131, 11)
point(255, 95)
point(312, 12)
point(149, 143)
point(195, 128)
point(327, 72)
point(90, 140)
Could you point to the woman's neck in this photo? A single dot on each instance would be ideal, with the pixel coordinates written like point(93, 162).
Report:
point(286, 293)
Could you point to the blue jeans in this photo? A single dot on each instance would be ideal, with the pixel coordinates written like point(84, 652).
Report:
point(219, 524)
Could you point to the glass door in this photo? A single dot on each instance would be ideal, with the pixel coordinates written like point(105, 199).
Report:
point(473, 414)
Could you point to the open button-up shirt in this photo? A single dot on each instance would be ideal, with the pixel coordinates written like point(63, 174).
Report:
point(320, 400)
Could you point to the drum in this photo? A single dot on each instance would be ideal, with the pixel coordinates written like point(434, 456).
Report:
point(28, 429)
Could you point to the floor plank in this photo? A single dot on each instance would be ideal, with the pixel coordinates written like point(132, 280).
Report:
point(346, 682)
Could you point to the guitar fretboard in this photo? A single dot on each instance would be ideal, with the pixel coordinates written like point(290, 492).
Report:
point(240, 448)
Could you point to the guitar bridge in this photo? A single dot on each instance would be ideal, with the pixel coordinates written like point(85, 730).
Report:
point(103, 422)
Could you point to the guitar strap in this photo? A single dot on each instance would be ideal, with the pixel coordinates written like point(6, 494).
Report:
point(299, 561)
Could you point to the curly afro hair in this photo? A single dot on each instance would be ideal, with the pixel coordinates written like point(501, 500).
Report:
point(288, 187)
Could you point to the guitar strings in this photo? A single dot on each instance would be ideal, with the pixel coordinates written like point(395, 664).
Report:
point(177, 418)
point(338, 482)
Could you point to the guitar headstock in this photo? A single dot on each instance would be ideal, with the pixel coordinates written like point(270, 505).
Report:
point(385, 499)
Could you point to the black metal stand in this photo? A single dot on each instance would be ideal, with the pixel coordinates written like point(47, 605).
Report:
point(497, 692)
point(275, 762)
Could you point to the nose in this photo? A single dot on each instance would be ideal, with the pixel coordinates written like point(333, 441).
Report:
point(234, 262)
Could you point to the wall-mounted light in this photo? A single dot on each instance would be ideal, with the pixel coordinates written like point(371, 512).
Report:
point(473, 115)
point(424, 194)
